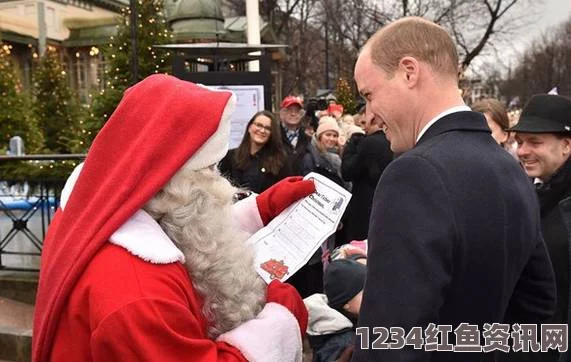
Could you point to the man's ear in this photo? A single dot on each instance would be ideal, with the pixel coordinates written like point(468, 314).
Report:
point(566, 145)
point(410, 69)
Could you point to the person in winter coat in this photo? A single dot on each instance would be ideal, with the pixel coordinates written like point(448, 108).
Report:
point(261, 159)
point(543, 135)
point(147, 258)
point(293, 133)
point(333, 315)
point(363, 161)
point(455, 236)
point(322, 154)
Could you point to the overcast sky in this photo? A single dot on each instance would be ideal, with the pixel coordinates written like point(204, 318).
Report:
point(549, 13)
point(545, 14)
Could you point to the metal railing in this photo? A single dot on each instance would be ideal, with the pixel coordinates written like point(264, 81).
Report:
point(27, 206)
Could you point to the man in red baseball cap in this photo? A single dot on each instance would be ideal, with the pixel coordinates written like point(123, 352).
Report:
point(293, 136)
point(147, 258)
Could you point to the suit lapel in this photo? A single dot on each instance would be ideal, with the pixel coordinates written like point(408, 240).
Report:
point(458, 121)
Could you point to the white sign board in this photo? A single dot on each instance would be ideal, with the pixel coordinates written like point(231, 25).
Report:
point(249, 101)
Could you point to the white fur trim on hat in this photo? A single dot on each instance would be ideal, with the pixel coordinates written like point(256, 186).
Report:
point(140, 235)
point(216, 147)
point(272, 336)
point(143, 237)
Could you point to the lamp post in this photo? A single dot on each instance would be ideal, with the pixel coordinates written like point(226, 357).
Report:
point(253, 30)
point(134, 57)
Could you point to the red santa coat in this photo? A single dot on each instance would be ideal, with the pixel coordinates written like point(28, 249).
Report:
point(135, 302)
point(108, 302)
point(108, 294)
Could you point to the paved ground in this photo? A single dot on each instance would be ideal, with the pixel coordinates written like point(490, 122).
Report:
point(15, 314)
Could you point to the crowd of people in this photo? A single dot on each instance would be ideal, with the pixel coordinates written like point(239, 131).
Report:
point(459, 216)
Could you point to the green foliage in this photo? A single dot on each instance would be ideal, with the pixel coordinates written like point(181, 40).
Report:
point(56, 107)
point(37, 171)
point(345, 96)
point(152, 30)
point(101, 108)
point(16, 119)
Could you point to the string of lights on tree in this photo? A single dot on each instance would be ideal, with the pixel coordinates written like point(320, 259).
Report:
point(16, 118)
point(22, 110)
point(56, 107)
point(152, 30)
point(345, 96)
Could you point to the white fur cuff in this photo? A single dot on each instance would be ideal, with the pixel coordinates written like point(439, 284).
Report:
point(272, 336)
point(246, 215)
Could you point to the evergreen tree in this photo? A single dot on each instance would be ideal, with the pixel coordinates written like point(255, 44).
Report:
point(16, 119)
point(345, 96)
point(56, 107)
point(152, 30)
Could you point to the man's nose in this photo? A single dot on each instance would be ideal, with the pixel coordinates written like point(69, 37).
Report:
point(522, 150)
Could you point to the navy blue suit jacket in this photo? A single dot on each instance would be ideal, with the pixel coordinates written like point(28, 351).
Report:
point(455, 237)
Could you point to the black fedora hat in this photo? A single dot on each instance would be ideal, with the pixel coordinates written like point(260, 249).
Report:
point(545, 113)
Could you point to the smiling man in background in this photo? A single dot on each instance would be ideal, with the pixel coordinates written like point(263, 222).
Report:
point(543, 135)
point(454, 234)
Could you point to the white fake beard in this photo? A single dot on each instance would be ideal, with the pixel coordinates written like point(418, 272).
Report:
point(194, 209)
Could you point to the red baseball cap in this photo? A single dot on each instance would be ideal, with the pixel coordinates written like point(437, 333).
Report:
point(290, 101)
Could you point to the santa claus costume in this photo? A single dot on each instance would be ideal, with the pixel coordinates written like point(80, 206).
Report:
point(135, 266)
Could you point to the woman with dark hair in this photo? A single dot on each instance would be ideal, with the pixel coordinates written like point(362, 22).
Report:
point(498, 122)
point(261, 159)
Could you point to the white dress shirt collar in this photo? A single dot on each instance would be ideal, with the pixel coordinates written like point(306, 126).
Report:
point(455, 109)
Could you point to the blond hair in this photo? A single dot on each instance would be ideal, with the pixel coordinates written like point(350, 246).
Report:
point(417, 38)
point(194, 210)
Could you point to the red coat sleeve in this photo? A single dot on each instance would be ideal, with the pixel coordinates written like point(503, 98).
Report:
point(156, 330)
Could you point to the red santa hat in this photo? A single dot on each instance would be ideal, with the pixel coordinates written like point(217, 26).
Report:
point(161, 124)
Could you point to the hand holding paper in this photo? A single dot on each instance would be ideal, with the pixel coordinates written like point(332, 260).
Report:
point(281, 195)
point(289, 240)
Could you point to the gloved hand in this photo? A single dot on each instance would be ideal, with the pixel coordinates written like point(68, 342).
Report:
point(278, 197)
point(286, 295)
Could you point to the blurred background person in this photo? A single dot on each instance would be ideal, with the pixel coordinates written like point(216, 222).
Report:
point(336, 111)
point(261, 159)
point(293, 134)
point(323, 152)
point(333, 313)
point(363, 161)
point(498, 121)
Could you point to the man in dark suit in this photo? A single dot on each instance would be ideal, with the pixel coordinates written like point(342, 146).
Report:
point(293, 135)
point(455, 235)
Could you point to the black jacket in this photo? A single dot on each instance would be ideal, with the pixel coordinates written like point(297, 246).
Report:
point(555, 201)
point(313, 161)
point(254, 177)
point(364, 159)
point(455, 237)
point(296, 154)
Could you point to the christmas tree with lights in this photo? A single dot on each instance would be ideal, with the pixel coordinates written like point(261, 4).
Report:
point(152, 29)
point(345, 96)
point(16, 119)
point(56, 107)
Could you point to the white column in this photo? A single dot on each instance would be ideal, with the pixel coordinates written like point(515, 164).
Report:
point(253, 30)
point(42, 28)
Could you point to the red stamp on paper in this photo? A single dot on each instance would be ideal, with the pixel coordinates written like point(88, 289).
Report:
point(276, 268)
